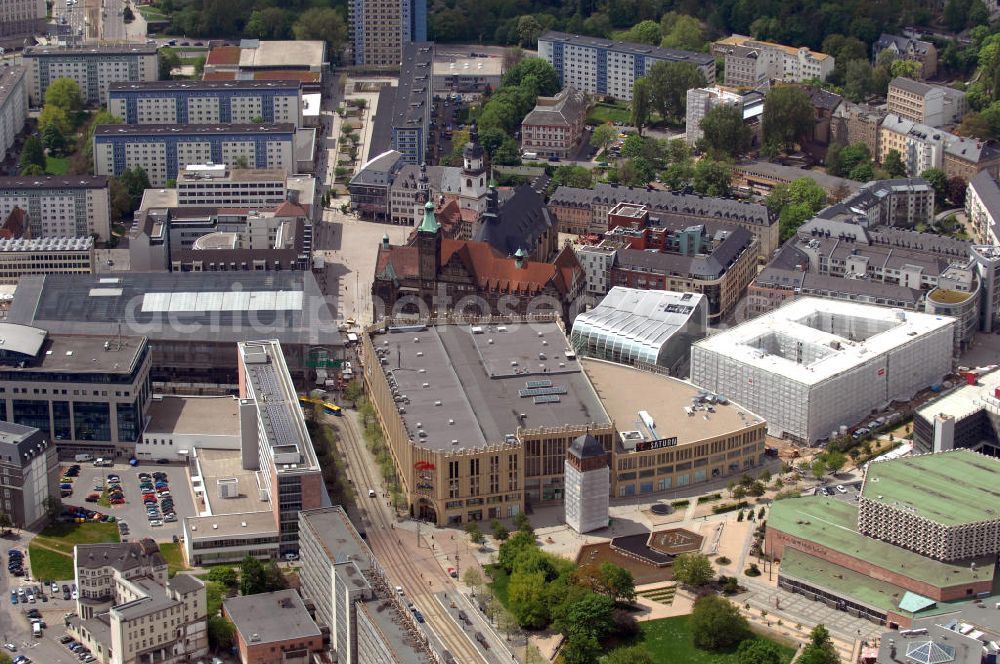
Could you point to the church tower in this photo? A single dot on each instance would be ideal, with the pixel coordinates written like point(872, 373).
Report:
point(472, 194)
point(429, 244)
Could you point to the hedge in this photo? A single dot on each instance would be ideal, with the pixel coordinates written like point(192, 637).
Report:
point(729, 507)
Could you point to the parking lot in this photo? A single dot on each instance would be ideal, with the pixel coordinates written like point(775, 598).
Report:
point(133, 512)
point(851, 493)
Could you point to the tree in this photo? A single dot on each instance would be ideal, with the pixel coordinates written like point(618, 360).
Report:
point(712, 178)
point(835, 461)
point(55, 116)
point(220, 632)
point(633, 146)
point(818, 468)
point(858, 80)
point(572, 175)
point(905, 69)
point(937, 179)
point(820, 649)
point(630, 655)
point(740, 492)
point(758, 651)
point(612, 581)
point(590, 614)
point(640, 104)
point(789, 116)
point(241, 161)
point(53, 507)
point(956, 190)
point(523, 526)
point(644, 32)
point(491, 139)
point(716, 624)
point(526, 599)
point(223, 574)
point(253, 576)
point(693, 569)
point(500, 532)
point(894, 165)
point(757, 489)
point(581, 649)
point(169, 60)
point(128, 15)
point(602, 136)
point(545, 77)
point(473, 531)
point(681, 31)
point(64, 93)
point(668, 86)
point(32, 154)
point(955, 12)
point(528, 31)
point(725, 134)
point(322, 24)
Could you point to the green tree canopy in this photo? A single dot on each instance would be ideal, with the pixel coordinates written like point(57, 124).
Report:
point(641, 104)
point(55, 115)
point(693, 569)
point(603, 135)
point(758, 651)
point(545, 75)
point(820, 649)
point(716, 624)
point(253, 577)
point(590, 614)
point(322, 24)
point(169, 60)
point(712, 178)
point(937, 179)
point(32, 154)
point(893, 164)
point(526, 599)
point(668, 86)
point(573, 175)
point(498, 530)
point(905, 68)
point(858, 80)
point(64, 93)
point(725, 134)
point(644, 32)
point(681, 31)
point(789, 116)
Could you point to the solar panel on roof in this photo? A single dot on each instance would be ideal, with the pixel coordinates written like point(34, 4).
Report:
point(542, 391)
point(551, 398)
point(538, 383)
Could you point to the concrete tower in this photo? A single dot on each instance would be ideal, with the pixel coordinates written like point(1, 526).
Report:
point(588, 485)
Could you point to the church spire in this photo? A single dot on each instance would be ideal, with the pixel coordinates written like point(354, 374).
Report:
point(429, 224)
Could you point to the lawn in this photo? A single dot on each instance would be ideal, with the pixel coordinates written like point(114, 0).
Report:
point(499, 580)
point(175, 559)
point(56, 165)
point(49, 565)
point(669, 640)
point(152, 14)
point(62, 536)
point(602, 113)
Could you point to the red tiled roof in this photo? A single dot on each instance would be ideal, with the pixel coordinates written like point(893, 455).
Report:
point(223, 55)
point(287, 75)
point(15, 225)
point(289, 209)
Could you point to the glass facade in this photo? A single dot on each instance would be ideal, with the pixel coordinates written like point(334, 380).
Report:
point(129, 421)
point(62, 424)
point(92, 421)
point(32, 413)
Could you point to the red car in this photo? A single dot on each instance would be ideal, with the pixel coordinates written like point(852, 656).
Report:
point(93, 498)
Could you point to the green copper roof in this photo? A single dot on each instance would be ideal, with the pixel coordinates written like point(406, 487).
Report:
point(429, 224)
point(519, 253)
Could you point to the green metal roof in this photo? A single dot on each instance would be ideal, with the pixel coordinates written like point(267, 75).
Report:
point(913, 602)
point(429, 224)
point(950, 488)
point(834, 524)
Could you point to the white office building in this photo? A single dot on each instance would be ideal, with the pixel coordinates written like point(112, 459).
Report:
point(94, 68)
point(699, 102)
point(47, 255)
point(59, 206)
point(13, 105)
point(604, 67)
point(816, 365)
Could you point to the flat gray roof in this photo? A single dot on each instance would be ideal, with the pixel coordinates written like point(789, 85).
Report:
point(469, 386)
point(209, 416)
point(339, 537)
point(383, 617)
point(9, 76)
point(643, 50)
point(80, 353)
point(54, 182)
point(103, 131)
point(187, 85)
point(94, 51)
point(276, 616)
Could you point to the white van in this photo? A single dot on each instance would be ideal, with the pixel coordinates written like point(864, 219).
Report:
point(36, 630)
point(530, 155)
point(84, 457)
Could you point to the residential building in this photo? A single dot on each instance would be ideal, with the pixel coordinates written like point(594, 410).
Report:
point(59, 206)
point(369, 187)
point(202, 239)
point(815, 365)
point(908, 48)
point(455, 73)
point(982, 208)
point(750, 62)
point(404, 110)
point(761, 176)
point(923, 147)
point(29, 474)
point(466, 277)
point(207, 102)
point(854, 123)
point(62, 385)
point(273, 627)
point(596, 261)
point(163, 150)
point(966, 157)
point(129, 611)
point(892, 557)
point(380, 30)
point(701, 100)
point(496, 447)
point(924, 103)
point(267, 60)
point(826, 104)
point(607, 68)
point(585, 211)
point(226, 307)
point(94, 68)
point(903, 203)
point(642, 327)
point(555, 127)
point(20, 21)
point(13, 102)
point(52, 255)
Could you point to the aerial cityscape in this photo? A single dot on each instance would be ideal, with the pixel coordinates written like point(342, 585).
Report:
point(409, 332)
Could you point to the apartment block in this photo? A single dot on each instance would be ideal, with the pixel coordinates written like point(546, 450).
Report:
point(52, 255)
point(402, 122)
point(854, 123)
point(85, 393)
point(129, 610)
point(934, 105)
point(59, 206)
point(163, 150)
point(94, 68)
point(273, 627)
point(29, 474)
point(554, 128)
point(922, 146)
point(206, 102)
point(608, 68)
point(21, 20)
point(750, 62)
point(13, 104)
point(982, 207)
point(380, 30)
point(909, 48)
